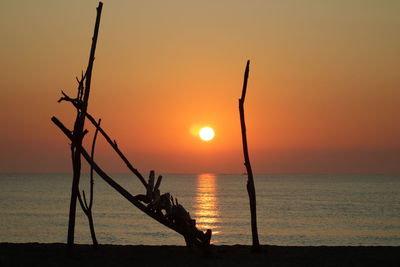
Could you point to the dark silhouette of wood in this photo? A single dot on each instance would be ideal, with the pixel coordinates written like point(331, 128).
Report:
point(174, 220)
point(111, 142)
point(158, 183)
point(250, 180)
point(87, 208)
point(78, 132)
point(114, 145)
point(180, 219)
point(150, 186)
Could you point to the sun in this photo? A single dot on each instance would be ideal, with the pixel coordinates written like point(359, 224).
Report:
point(206, 134)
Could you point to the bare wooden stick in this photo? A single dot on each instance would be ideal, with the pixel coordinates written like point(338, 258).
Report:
point(78, 133)
point(250, 181)
point(91, 168)
point(87, 208)
point(114, 145)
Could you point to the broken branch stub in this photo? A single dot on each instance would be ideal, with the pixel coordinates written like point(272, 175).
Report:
point(158, 183)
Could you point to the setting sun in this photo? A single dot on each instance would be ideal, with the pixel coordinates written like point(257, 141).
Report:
point(206, 133)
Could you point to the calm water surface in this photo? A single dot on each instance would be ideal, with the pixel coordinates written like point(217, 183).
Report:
point(292, 209)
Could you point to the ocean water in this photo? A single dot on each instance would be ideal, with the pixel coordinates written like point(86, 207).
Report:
point(291, 209)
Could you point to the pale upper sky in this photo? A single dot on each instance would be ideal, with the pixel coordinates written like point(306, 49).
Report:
point(323, 95)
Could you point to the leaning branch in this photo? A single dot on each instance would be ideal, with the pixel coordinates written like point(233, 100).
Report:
point(77, 104)
point(114, 145)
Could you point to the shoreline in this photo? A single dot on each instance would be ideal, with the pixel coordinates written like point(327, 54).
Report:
point(54, 254)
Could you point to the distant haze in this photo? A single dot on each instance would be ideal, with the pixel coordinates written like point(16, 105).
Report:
point(323, 93)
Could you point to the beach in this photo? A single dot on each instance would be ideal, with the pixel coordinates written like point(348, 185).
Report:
point(36, 254)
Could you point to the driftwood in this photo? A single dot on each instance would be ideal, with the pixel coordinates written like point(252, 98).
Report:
point(87, 208)
point(178, 219)
point(162, 207)
point(250, 181)
point(174, 216)
point(78, 132)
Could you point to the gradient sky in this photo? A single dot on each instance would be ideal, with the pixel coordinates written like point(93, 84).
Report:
point(323, 95)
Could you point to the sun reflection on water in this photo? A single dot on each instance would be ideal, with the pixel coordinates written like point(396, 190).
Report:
point(206, 203)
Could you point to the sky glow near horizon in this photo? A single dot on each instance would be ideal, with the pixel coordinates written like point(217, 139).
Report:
point(323, 93)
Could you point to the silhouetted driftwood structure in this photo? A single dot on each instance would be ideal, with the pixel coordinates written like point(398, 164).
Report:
point(78, 132)
point(250, 180)
point(164, 208)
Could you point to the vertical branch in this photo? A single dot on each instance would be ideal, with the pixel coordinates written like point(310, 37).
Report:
point(250, 181)
point(91, 167)
point(87, 208)
point(78, 132)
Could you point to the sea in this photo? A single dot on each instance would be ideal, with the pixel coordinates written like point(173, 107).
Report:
point(292, 210)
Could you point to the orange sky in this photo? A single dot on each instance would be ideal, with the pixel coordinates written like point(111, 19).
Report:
point(323, 95)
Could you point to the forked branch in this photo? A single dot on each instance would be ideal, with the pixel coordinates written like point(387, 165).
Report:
point(78, 132)
point(87, 208)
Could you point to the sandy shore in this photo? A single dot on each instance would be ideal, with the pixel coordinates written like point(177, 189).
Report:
point(35, 254)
